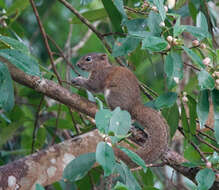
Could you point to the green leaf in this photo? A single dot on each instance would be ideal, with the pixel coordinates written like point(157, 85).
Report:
point(154, 21)
point(150, 188)
point(202, 23)
point(154, 44)
point(185, 123)
point(128, 177)
point(160, 7)
point(6, 133)
point(120, 122)
point(39, 187)
point(102, 119)
point(13, 44)
point(105, 157)
point(165, 100)
point(196, 31)
point(203, 107)
point(6, 88)
point(215, 100)
point(174, 65)
point(205, 80)
point(197, 60)
point(179, 4)
point(139, 24)
point(191, 164)
point(120, 7)
point(214, 158)
point(85, 2)
point(123, 46)
point(40, 138)
point(21, 61)
point(192, 114)
point(17, 6)
point(193, 11)
point(114, 15)
point(178, 29)
point(134, 157)
point(79, 167)
point(120, 186)
point(205, 179)
point(93, 15)
point(172, 117)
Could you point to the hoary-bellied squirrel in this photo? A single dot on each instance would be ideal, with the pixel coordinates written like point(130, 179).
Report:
point(121, 88)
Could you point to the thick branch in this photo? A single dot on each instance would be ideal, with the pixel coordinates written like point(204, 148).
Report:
point(41, 167)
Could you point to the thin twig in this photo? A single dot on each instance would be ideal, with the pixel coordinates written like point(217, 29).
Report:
point(194, 145)
point(79, 45)
point(210, 145)
point(197, 121)
point(36, 123)
point(114, 33)
point(135, 11)
point(192, 66)
point(57, 123)
point(62, 54)
point(45, 40)
point(206, 135)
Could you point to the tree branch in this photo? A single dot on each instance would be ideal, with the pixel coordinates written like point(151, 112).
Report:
point(46, 167)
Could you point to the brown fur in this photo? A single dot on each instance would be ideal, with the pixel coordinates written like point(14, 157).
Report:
point(120, 87)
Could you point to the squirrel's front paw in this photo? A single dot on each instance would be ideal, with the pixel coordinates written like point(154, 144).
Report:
point(77, 81)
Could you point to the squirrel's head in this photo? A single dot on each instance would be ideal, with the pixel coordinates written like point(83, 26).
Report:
point(92, 61)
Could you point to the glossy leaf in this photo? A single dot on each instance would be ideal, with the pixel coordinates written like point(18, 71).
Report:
point(172, 117)
point(215, 100)
point(197, 60)
point(205, 80)
point(154, 44)
point(203, 107)
point(134, 157)
point(123, 46)
point(79, 167)
point(114, 14)
point(205, 179)
point(165, 100)
point(13, 44)
point(21, 61)
point(93, 15)
point(102, 119)
point(6, 88)
point(120, 122)
point(105, 157)
point(174, 65)
point(160, 7)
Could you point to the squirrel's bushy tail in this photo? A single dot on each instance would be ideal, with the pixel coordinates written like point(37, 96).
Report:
point(157, 132)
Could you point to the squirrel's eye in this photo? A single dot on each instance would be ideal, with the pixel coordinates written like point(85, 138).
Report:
point(88, 59)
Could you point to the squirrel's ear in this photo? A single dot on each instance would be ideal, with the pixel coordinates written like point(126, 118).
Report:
point(104, 56)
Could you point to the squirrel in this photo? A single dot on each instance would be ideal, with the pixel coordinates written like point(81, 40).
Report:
point(121, 89)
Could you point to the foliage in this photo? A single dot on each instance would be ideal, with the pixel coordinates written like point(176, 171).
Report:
point(156, 42)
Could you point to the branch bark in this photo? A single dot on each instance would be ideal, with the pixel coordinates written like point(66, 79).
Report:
point(46, 166)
